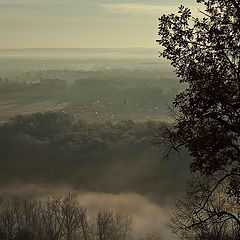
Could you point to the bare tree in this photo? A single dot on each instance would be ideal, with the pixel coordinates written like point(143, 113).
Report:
point(120, 227)
point(208, 209)
point(110, 226)
point(51, 223)
point(59, 218)
point(7, 221)
point(86, 228)
point(70, 217)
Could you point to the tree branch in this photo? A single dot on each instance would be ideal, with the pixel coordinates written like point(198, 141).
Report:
point(236, 5)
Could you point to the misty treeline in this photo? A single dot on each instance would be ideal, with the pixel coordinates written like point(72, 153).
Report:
point(89, 85)
point(98, 95)
point(167, 78)
point(43, 85)
point(59, 218)
point(59, 131)
point(63, 218)
point(60, 148)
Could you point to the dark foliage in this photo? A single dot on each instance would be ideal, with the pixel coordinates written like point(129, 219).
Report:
point(56, 148)
point(205, 54)
point(60, 131)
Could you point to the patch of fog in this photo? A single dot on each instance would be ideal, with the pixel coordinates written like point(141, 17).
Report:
point(147, 215)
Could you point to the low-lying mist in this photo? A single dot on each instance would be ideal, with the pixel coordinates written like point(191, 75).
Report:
point(101, 95)
point(63, 128)
point(55, 148)
point(147, 216)
point(112, 166)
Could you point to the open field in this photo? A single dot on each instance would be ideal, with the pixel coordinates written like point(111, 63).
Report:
point(10, 108)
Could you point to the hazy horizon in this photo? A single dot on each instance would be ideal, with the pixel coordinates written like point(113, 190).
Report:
point(82, 23)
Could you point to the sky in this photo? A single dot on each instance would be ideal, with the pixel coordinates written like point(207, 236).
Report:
point(82, 23)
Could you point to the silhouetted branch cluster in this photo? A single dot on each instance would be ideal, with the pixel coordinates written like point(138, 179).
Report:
point(208, 210)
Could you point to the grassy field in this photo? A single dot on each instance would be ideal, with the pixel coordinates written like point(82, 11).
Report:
point(90, 112)
point(10, 108)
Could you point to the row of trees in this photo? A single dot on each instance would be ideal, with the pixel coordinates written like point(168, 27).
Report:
point(59, 218)
point(57, 148)
point(61, 131)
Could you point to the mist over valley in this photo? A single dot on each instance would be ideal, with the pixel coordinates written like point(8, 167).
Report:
point(85, 120)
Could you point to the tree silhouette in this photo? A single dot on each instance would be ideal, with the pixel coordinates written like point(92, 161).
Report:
point(205, 53)
point(207, 211)
point(59, 218)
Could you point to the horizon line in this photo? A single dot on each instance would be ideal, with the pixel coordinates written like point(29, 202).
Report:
point(30, 48)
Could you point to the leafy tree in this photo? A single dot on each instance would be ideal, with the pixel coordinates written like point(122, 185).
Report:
point(40, 125)
point(205, 53)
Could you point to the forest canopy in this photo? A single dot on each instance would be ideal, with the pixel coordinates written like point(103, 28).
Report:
point(59, 148)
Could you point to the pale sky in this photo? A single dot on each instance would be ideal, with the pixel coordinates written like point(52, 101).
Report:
point(82, 23)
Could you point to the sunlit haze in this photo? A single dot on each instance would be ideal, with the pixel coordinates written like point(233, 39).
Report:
point(82, 23)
